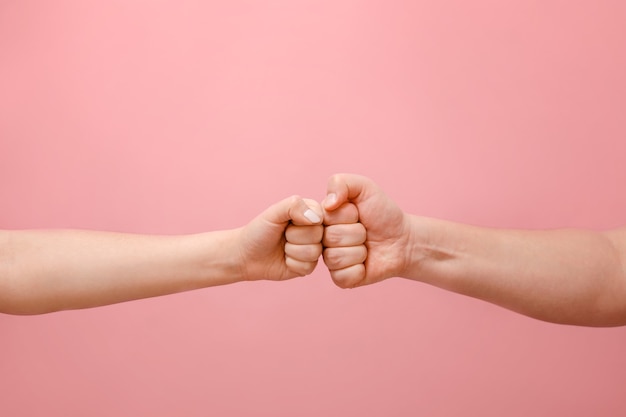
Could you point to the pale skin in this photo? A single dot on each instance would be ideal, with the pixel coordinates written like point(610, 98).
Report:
point(46, 271)
point(563, 276)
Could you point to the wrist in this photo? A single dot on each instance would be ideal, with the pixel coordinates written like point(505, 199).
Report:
point(221, 260)
point(429, 249)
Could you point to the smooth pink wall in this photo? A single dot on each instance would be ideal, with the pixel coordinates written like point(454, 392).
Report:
point(187, 116)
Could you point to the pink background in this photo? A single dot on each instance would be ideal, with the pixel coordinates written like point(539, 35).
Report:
point(186, 116)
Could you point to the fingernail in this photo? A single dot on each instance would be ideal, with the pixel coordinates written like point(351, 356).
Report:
point(330, 199)
point(312, 216)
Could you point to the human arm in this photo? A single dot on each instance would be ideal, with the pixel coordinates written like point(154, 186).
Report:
point(45, 271)
point(563, 276)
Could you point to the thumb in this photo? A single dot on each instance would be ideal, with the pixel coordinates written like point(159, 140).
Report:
point(343, 188)
point(296, 210)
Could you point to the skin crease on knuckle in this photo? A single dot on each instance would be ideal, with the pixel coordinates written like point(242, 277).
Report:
point(301, 268)
point(332, 236)
point(304, 253)
point(328, 258)
point(344, 235)
point(340, 258)
point(311, 252)
point(348, 277)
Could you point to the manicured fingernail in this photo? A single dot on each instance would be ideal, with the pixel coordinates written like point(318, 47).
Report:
point(330, 199)
point(312, 216)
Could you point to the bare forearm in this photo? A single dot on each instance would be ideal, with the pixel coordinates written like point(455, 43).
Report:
point(564, 276)
point(44, 271)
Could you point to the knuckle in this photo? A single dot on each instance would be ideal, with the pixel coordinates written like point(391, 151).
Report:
point(310, 252)
point(330, 238)
point(312, 234)
point(332, 258)
point(310, 267)
point(317, 250)
point(302, 268)
point(341, 280)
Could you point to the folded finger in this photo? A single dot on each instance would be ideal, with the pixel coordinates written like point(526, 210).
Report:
point(349, 277)
point(304, 253)
point(301, 268)
point(341, 235)
point(301, 235)
point(339, 258)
